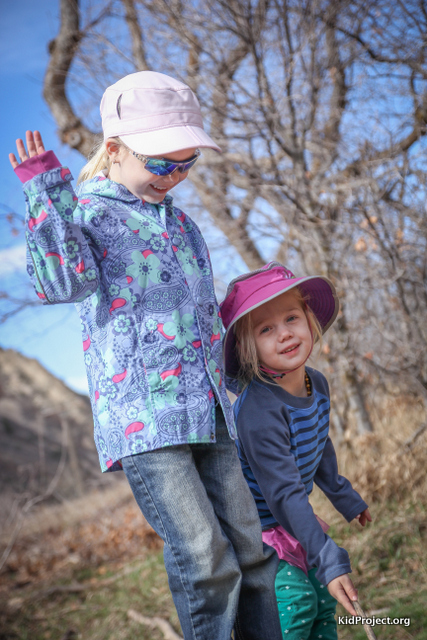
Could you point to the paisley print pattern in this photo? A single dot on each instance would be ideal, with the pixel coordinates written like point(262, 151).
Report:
point(151, 325)
point(165, 298)
point(154, 358)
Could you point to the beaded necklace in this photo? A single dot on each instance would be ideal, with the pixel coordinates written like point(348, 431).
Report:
point(307, 384)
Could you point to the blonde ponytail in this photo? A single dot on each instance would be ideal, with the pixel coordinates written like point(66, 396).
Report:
point(98, 160)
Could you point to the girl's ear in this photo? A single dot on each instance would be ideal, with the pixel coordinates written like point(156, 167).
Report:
point(113, 149)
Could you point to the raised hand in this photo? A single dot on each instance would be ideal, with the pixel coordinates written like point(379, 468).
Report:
point(35, 147)
point(343, 590)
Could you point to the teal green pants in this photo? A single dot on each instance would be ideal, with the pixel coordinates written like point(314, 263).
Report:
point(306, 609)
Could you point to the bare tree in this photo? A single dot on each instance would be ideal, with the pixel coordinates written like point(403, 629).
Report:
point(321, 110)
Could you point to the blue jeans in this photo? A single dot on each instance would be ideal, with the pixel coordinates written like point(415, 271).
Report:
point(221, 575)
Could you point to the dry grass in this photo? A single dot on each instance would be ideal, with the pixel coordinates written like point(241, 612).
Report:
point(386, 464)
point(78, 568)
point(389, 556)
point(68, 513)
point(75, 571)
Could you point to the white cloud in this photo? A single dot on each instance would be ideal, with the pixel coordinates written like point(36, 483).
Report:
point(13, 259)
point(78, 383)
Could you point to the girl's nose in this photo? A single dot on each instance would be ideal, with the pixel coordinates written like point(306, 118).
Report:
point(284, 333)
point(174, 176)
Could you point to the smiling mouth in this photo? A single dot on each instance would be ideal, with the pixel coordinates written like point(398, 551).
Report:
point(159, 188)
point(290, 349)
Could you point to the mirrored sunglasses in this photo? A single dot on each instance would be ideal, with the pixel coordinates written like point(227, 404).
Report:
point(163, 167)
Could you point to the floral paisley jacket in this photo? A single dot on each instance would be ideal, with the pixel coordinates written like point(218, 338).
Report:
point(141, 279)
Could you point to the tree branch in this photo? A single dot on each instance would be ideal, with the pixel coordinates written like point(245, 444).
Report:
point(155, 623)
point(63, 49)
point(138, 50)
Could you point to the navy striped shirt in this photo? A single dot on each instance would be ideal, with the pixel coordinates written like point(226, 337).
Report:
point(308, 432)
point(284, 447)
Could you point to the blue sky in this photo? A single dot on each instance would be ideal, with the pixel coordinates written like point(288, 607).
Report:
point(49, 334)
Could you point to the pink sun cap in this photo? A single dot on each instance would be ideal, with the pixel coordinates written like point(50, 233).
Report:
point(153, 114)
point(250, 290)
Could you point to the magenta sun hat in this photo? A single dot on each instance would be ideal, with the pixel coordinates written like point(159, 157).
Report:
point(153, 114)
point(250, 290)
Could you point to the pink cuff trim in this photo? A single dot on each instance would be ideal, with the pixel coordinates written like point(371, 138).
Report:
point(36, 165)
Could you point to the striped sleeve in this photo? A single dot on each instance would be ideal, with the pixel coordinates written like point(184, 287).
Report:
point(337, 488)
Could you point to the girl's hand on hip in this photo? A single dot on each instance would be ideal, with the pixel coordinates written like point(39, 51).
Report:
point(343, 590)
point(35, 147)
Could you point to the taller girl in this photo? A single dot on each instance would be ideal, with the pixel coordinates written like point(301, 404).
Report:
point(139, 272)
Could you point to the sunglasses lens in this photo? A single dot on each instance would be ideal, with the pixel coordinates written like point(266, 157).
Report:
point(160, 167)
point(166, 167)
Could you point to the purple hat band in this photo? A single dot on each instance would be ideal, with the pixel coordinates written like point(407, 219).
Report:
point(253, 289)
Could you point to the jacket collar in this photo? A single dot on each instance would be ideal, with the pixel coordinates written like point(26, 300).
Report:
point(106, 188)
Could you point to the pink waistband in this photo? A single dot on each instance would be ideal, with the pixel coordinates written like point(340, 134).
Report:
point(287, 547)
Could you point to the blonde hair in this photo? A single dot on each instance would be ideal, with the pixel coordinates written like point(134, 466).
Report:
point(98, 160)
point(245, 342)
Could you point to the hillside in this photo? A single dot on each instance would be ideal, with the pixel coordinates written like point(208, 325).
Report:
point(46, 442)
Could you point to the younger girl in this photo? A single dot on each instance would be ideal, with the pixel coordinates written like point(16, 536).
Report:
point(272, 321)
point(139, 272)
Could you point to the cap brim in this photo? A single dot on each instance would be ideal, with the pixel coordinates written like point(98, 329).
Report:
point(169, 140)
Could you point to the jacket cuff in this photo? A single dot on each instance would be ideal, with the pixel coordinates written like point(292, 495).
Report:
point(36, 165)
point(355, 510)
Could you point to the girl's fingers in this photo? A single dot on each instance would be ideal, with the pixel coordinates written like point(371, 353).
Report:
point(365, 517)
point(34, 143)
point(39, 142)
point(22, 153)
point(35, 147)
point(13, 161)
point(31, 145)
point(342, 589)
point(346, 603)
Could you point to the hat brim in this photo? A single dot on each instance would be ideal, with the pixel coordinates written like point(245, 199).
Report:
point(322, 300)
point(169, 140)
